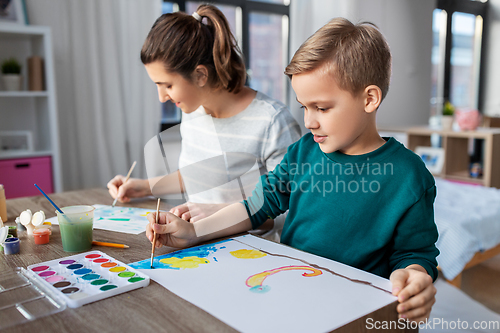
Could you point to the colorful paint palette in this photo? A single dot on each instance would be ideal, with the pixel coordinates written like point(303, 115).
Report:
point(87, 277)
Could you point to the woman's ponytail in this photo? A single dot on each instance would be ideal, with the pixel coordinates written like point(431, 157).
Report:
point(228, 63)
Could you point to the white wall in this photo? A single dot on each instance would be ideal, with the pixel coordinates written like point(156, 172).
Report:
point(492, 73)
point(407, 26)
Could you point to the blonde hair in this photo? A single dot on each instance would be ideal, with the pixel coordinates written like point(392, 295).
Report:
point(182, 42)
point(357, 55)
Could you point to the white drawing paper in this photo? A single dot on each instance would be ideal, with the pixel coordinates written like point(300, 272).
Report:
point(255, 285)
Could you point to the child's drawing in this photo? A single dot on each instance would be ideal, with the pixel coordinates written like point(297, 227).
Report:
point(196, 256)
point(129, 220)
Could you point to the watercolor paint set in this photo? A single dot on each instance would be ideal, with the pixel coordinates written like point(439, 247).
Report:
point(49, 287)
point(88, 277)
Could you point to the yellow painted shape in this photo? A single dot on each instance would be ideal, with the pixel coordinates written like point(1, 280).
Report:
point(258, 279)
point(248, 254)
point(147, 213)
point(186, 262)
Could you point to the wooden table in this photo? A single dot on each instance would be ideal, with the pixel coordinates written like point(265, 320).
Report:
point(149, 309)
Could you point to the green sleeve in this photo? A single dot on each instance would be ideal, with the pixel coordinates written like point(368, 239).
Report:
point(271, 195)
point(416, 235)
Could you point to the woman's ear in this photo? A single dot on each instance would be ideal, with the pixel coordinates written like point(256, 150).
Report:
point(201, 75)
point(373, 98)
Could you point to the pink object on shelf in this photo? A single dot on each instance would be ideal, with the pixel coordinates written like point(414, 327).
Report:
point(468, 120)
point(19, 175)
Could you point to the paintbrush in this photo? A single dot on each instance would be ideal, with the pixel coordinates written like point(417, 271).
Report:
point(154, 232)
point(126, 178)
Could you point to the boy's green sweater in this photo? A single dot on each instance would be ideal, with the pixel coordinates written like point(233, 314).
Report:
point(372, 211)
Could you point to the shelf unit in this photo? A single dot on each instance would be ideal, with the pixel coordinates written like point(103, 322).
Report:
point(34, 111)
point(456, 152)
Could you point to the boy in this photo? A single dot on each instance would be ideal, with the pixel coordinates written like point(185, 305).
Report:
point(352, 196)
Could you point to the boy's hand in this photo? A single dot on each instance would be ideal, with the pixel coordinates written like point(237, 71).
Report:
point(170, 231)
point(193, 212)
point(415, 292)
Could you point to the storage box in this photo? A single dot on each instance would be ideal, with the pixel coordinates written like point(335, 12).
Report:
point(19, 176)
point(16, 140)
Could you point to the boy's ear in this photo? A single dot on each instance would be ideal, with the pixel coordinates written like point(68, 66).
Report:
point(373, 98)
point(201, 75)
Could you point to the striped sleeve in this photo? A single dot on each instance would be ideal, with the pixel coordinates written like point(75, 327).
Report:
point(281, 133)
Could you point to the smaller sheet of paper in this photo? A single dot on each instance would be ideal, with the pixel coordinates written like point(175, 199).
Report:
point(129, 220)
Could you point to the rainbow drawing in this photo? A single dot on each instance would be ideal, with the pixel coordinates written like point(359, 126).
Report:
point(255, 282)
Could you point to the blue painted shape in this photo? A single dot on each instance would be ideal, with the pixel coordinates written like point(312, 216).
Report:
point(260, 289)
point(202, 251)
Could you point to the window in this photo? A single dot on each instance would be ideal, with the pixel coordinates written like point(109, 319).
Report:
point(261, 30)
point(268, 57)
point(457, 53)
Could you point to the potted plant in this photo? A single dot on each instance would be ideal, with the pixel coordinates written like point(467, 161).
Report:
point(11, 74)
point(447, 118)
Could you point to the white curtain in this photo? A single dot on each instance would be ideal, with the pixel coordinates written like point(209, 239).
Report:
point(107, 106)
point(407, 26)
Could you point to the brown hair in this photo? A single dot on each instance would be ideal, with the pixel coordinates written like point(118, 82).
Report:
point(357, 55)
point(182, 42)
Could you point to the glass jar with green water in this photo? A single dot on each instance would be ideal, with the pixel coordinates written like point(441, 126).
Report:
point(76, 227)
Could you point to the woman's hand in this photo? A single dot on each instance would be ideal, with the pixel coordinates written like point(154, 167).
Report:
point(193, 212)
point(133, 188)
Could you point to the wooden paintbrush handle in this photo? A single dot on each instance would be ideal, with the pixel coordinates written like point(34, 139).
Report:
point(154, 232)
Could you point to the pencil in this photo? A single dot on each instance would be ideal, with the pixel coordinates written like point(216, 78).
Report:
point(154, 232)
point(121, 246)
point(126, 178)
